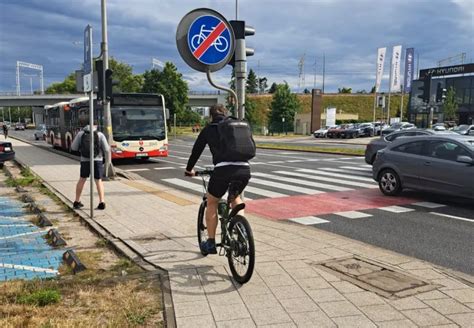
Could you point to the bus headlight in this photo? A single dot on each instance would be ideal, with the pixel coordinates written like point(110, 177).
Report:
point(116, 150)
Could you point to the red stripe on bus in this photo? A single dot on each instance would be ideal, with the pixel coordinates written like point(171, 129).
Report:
point(209, 40)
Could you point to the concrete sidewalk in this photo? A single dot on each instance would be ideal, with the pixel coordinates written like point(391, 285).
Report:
point(291, 285)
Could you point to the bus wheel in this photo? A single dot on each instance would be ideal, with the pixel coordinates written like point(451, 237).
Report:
point(52, 141)
point(69, 150)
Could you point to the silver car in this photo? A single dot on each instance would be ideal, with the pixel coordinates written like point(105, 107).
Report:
point(40, 132)
point(437, 163)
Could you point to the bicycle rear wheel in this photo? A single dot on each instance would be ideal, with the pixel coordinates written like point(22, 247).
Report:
point(241, 256)
point(201, 225)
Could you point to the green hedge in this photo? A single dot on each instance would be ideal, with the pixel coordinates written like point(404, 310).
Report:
point(361, 104)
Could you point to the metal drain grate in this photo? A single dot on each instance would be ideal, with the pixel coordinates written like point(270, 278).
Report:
point(374, 277)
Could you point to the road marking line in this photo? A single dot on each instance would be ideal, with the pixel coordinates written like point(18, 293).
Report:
point(178, 157)
point(16, 225)
point(330, 169)
point(23, 234)
point(337, 175)
point(354, 215)
point(263, 192)
point(301, 182)
point(277, 162)
point(27, 267)
point(452, 217)
point(357, 168)
point(308, 220)
point(164, 168)
point(285, 186)
point(320, 178)
point(396, 209)
point(429, 204)
point(137, 170)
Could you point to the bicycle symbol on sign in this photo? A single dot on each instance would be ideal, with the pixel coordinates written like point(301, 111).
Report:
point(220, 44)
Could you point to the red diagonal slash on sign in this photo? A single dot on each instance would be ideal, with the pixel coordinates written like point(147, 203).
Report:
point(209, 40)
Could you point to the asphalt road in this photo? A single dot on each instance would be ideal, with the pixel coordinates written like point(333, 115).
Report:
point(336, 193)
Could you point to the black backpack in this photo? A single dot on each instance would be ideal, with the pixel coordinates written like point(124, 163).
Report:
point(85, 144)
point(236, 143)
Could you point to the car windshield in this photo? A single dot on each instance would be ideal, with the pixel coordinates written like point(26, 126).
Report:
point(462, 127)
point(396, 125)
point(134, 123)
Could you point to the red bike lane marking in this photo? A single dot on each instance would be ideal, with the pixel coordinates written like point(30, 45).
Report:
point(206, 44)
point(284, 208)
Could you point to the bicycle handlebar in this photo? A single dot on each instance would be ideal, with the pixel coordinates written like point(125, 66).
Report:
point(200, 173)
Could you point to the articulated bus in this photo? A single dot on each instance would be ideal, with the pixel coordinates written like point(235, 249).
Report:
point(138, 124)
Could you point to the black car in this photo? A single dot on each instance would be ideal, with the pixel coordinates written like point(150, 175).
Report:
point(375, 145)
point(358, 130)
point(6, 152)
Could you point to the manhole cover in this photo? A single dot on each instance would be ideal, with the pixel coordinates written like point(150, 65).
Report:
point(372, 276)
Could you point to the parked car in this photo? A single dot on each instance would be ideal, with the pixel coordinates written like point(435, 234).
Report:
point(439, 127)
point(375, 145)
point(378, 127)
point(333, 132)
point(40, 132)
point(322, 133)
point(397, 127)
point(6, 152)
point(352, 131)
point(441, 163)
point(464, 129)
point(19, 126)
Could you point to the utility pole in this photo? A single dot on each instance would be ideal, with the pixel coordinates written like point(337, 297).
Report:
point(324, 70)
point(315, 72)
point(109, 170)
point(301, 78)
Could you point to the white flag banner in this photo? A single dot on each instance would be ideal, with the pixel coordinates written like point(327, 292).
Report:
point(380, 61)
point(395, 73)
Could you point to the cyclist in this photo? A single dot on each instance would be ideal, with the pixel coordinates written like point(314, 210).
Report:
point(224, 172)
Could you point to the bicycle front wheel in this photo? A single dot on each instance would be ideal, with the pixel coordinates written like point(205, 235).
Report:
point(201, 225)
point(241, 255)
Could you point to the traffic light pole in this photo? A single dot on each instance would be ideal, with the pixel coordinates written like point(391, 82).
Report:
point(240, 76)
point(109, 169)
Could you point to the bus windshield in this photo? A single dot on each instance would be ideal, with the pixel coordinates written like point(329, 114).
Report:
point(138, 122)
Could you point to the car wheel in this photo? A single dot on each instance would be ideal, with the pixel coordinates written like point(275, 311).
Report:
point(389, 182)
point(36, 138)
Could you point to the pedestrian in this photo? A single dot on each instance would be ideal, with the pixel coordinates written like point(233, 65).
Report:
point(5, 130)
point(230, 164)
point(81, 143)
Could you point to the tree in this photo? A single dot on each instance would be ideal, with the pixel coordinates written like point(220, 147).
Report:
point(372, 90)
point(450, 106)
point(344, 90)
point(168, 82)
point(123, 73)
point(273, 88)
point(67, 86)
point(252, 82)
point(262, 84)
point(284, 105)
point(306, 91)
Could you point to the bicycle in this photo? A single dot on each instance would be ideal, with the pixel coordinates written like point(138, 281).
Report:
point(220, 44)
point(237, 242)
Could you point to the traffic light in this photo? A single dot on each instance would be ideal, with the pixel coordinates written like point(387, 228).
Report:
point(241, 31)
point(425, 89)
point(440, 93)
point(107, 84)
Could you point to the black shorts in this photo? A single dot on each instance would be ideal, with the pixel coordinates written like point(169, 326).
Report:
point(98, 169)
point(224, 175)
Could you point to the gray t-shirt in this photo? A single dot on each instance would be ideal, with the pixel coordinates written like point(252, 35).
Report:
point(104, 148)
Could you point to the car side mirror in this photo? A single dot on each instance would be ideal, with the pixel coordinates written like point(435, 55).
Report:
point(465, 159)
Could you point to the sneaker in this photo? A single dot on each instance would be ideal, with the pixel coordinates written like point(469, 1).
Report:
point(77, 205)
point(208, 247)
point(101, 206)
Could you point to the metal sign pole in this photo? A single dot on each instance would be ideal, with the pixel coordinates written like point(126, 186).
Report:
point(88, 87)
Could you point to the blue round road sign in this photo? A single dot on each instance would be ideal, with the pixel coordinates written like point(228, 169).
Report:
point(205, 40)
point(209, 39)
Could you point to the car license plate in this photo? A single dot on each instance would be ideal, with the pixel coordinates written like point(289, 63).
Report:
point(141, 155)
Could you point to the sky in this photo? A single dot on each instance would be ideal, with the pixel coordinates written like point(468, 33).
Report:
point(347, 33)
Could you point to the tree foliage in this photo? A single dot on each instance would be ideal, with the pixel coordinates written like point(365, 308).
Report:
point(168, 82)
point(123, 73)
point(67, 86)
point(252, 82)
point(344, 90)
point(450, 106)
point(284, 105)
point(262, 84)
point(273, 88)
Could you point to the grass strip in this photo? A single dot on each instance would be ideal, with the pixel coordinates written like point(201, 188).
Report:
point(315, 149)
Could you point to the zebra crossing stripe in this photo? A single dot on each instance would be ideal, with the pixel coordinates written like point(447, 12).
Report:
point(308, 220)
point(137, 170)
point(396, 209)
point(331, 169)
point(263, 192)
point(302, 182)
point(184, 184)
point(336, 175)
point(322, 178)
point(164, 168)
point(357, 168)
point(428, 205)
point(285, 186)
point(353, 215)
